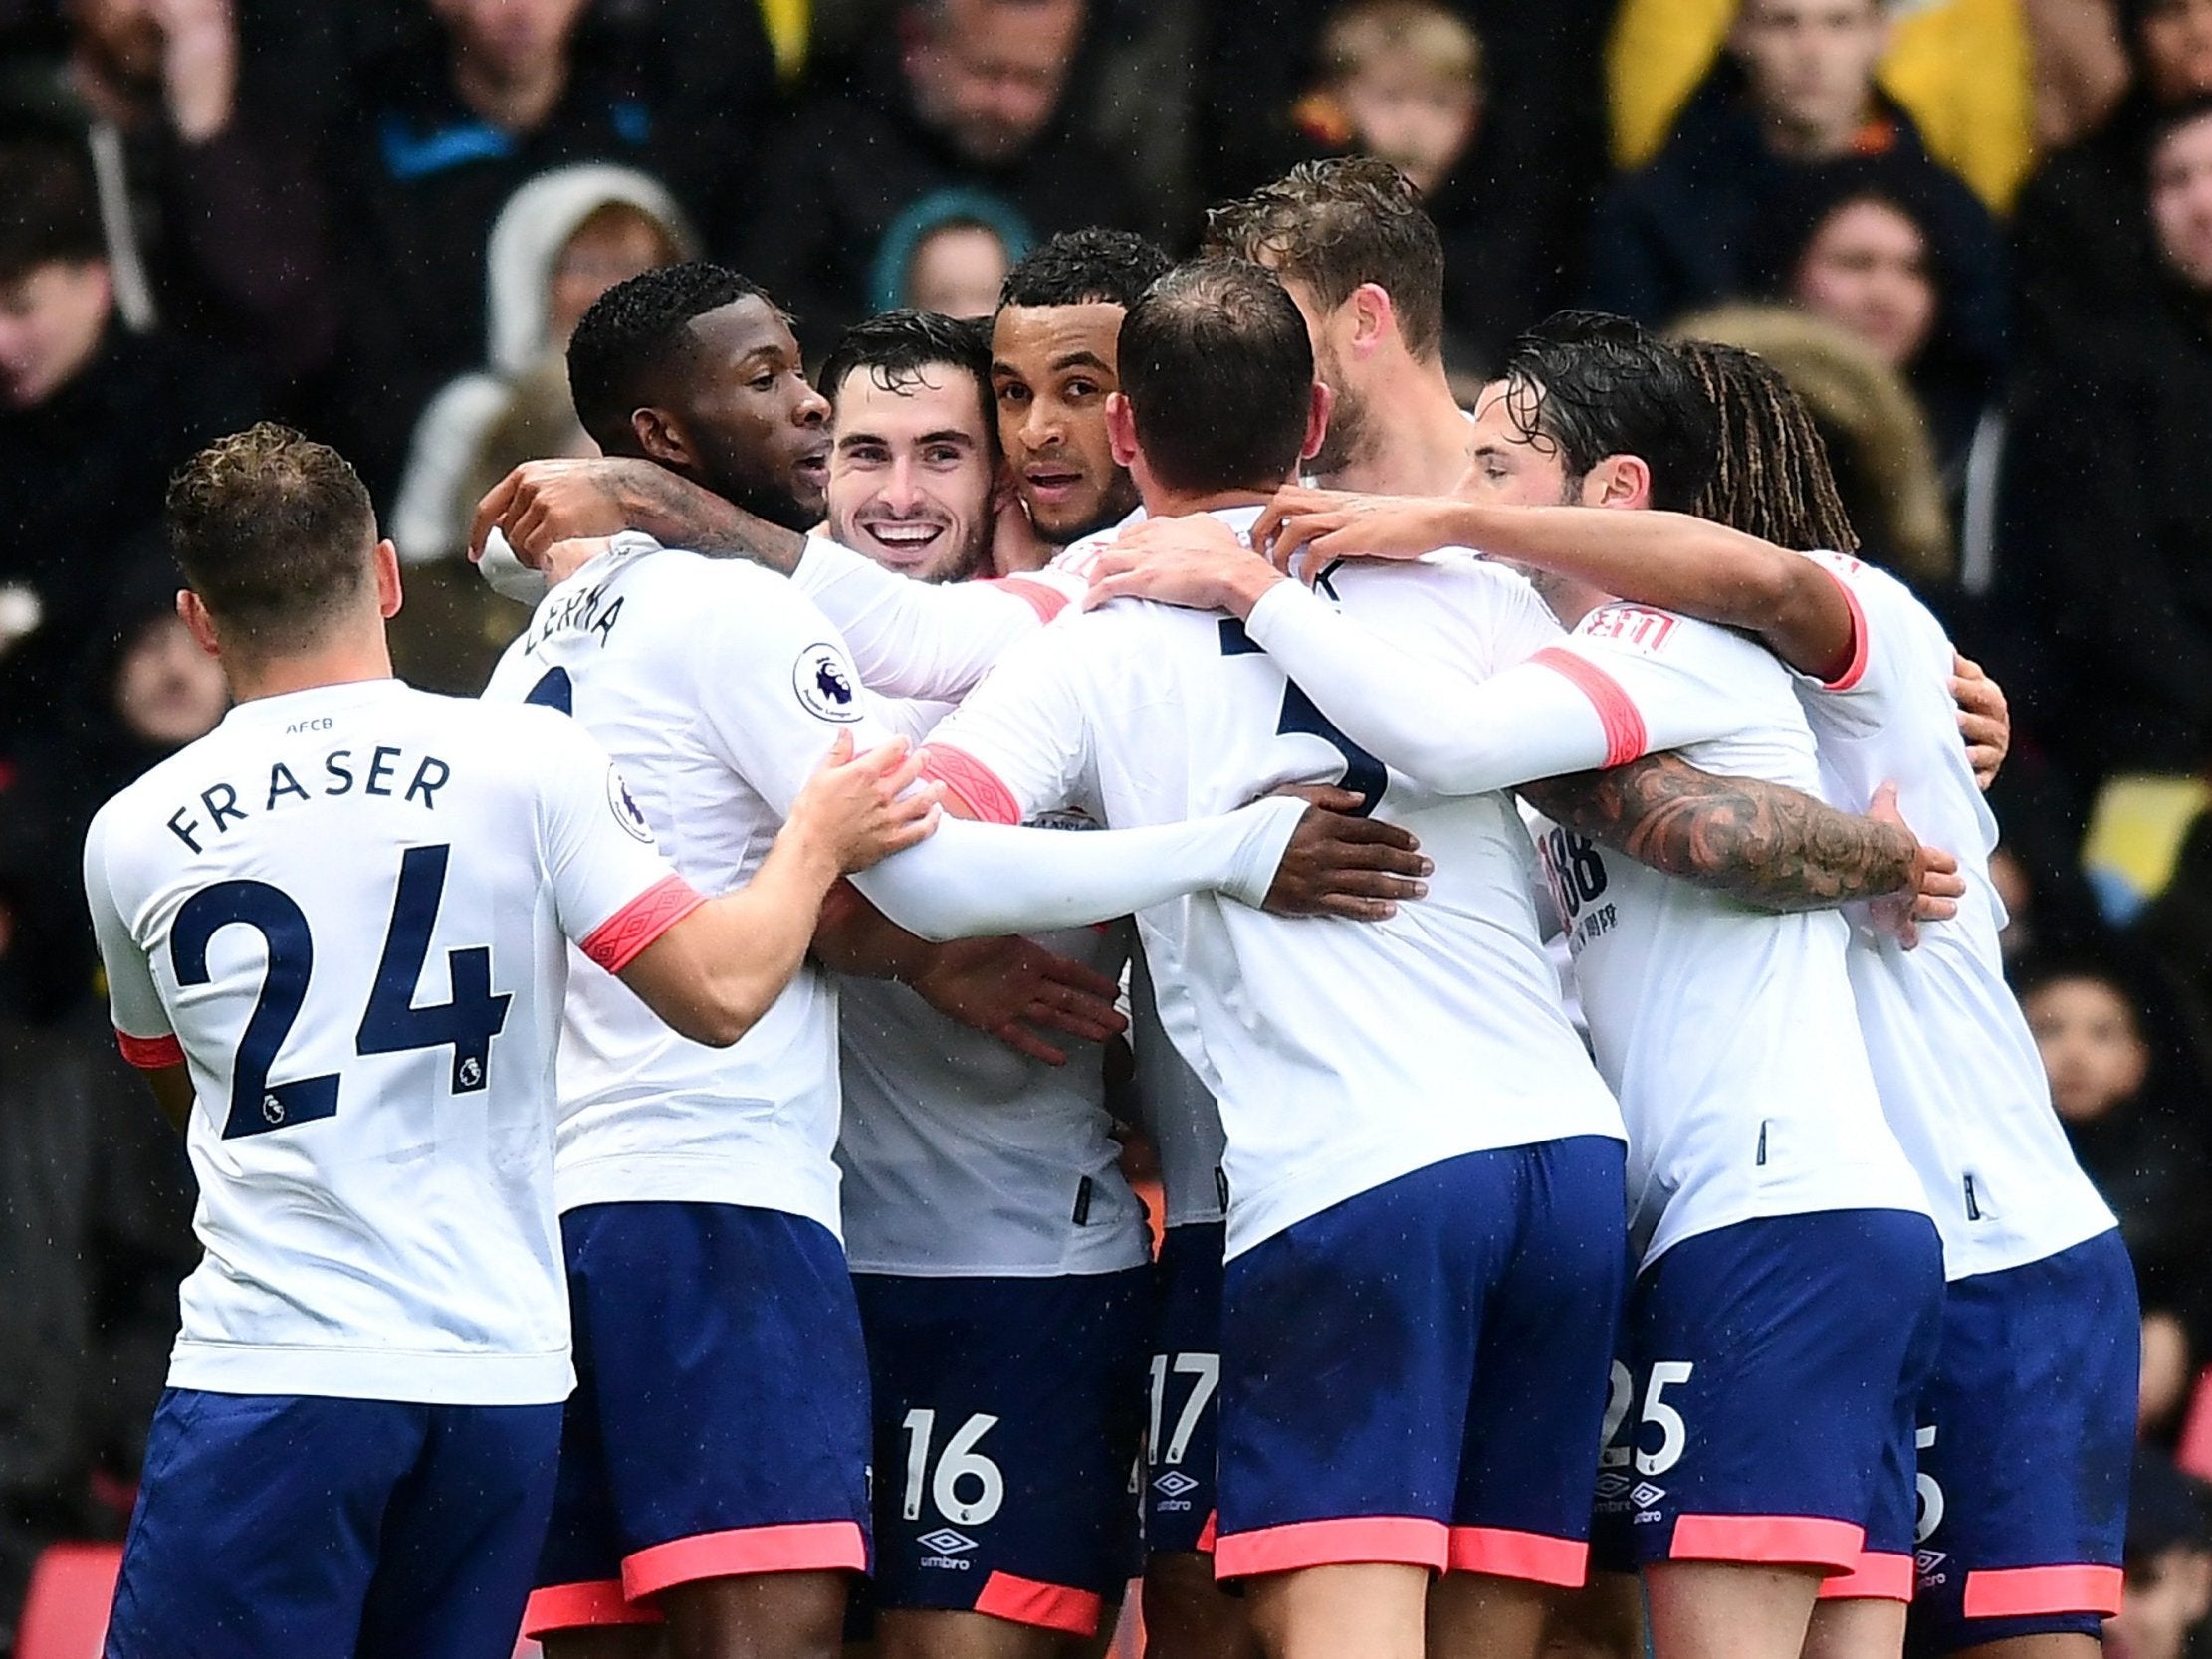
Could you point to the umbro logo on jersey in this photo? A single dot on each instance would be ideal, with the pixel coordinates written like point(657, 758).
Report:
point(1646, 1495)
point(1175, 1483)
point(946, 1542)
point(827, 684)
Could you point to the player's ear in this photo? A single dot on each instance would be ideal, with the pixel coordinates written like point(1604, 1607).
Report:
point(1121, 429)
point(661, 437)
point(1617, 481)
point(1374, 317)
point(192, 610)
point(1320, 400)
point(384, 562)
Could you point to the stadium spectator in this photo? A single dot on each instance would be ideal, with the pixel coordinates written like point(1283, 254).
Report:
point(949, 253)
point(2080, 232)
point(1797, 90)
point(562, 241)
point(2103, 521)
point(2169, 1565)
point(2146, 1156)
point(1403, 80)
point(206, 194)
point(93, 418)
point(1860, 243)
point(446, 128)
point(982, 102)
point(1967, 70)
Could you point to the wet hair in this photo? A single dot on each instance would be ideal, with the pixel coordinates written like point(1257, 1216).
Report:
point(273, 531)
point(1218, 372)
point(635, 335)
point(1085, 267)
point(1587, 385)
point(1771, 478)
point(896, 346)
point(48, 215)
point(1336, 224)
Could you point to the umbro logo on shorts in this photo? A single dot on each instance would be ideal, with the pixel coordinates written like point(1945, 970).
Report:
point(1175, 1483)
point(1646, 1495)
point(1927, 1560)
point(944, 1542)
point(1612, 1486)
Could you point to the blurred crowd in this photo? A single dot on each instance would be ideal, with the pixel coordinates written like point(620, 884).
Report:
point(1975, 234)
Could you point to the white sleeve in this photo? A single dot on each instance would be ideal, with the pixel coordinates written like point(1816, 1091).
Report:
point(142, 1027)
point(613, 893)
point(1021, 743)
point(1437, 719)
point(922, 639)
point(1861, 699)
point(975, 881)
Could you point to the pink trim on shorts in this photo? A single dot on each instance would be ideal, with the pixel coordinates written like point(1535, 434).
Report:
point(1047, 601)
point(151, 1054)
point(1048, 1606)
point(2020, 1591)
point(976, 784)
point(1785, 1540)
point(582, 1607)
point(1625, 738)
point(742, 1551)
point(1880, 1575)
point(1409, 1540)
point(615, 942)
point(1210, 1533)
point(1503, 1552)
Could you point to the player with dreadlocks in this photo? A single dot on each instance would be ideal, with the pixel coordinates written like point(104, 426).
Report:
point(2023, 1429)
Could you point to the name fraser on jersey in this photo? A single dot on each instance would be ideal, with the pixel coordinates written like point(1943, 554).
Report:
point(376, 771)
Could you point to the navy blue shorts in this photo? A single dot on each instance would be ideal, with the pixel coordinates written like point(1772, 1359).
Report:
point(1183, 1426)
point(1762, 1409)
point(275, 1524)
point(719, 1423)
point(1417, 1375)
point(1006, 1435)
point(2025, 1432)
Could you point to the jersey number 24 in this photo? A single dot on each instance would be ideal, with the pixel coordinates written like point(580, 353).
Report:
point(390, 1025)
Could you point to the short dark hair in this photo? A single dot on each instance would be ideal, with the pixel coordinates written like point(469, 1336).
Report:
point(1590, 384)
point(633, 335)
point(273, 531)
point(1218, 372)
point(1084, 267)
point(895, 346)
point(1336, 224)
point(48, 211)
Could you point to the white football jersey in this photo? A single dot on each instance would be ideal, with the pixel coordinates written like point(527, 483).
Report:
point(660, 658)
point(1179, 1111)
point(1344, 1054)
point(349, 911)
point(1726, 1032)
point(962, 1158)
point(1960, 1077)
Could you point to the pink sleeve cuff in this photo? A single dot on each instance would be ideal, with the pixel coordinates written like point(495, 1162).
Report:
point(1625, 736)
point(151, 1054)
point(1045, 600)
point(975, 782)
point(615, 942)
point(1855, 667)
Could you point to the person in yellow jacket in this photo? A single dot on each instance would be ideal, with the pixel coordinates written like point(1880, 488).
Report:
point(1960, 68)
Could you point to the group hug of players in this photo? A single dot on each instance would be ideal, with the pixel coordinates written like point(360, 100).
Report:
point(648, 1303)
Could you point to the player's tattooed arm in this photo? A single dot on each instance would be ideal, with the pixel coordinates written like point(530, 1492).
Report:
point(1761, 843)
point(543, 504)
